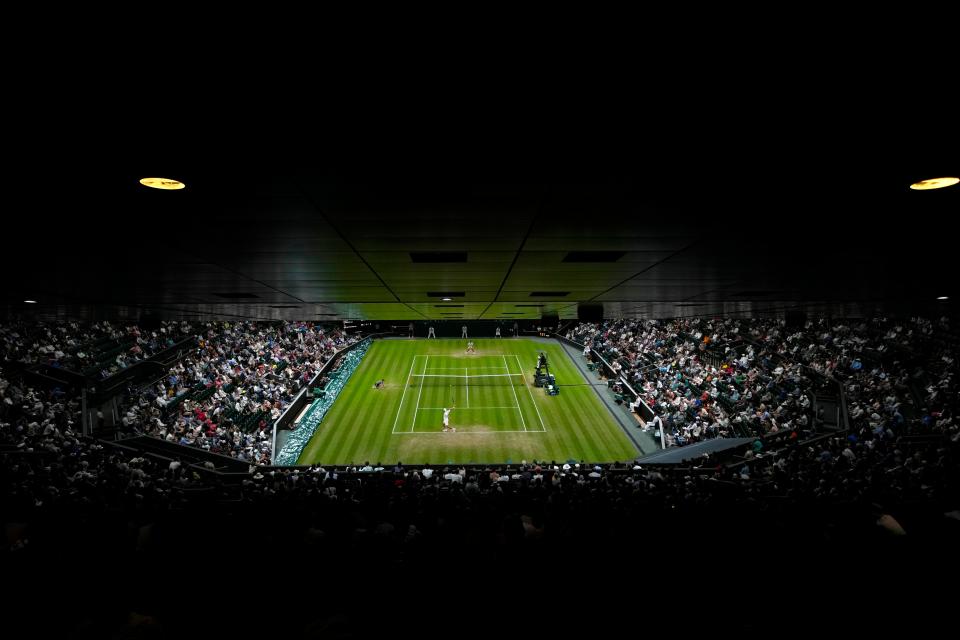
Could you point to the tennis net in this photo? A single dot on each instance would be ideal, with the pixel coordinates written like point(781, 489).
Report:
point(481, 380)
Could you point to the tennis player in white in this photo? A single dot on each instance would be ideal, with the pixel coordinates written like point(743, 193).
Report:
point(446, 420)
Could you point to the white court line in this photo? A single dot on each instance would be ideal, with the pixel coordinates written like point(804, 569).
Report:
point(476, 375)
point(455, 368)
point(534, 400)
point(497, 367)
point(456, 433)
point(515, 398)
point(409, 375)
point(464, 408)
point(413, 425)
point(467, 381)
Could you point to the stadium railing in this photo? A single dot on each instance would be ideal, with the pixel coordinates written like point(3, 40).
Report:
point(711, 359)
point(843, 417)
point(47, 377)
point(151, 368)
point(645, 411)
point(299, 402)
point(771, 445)
point(189, 456)
point(236, 476)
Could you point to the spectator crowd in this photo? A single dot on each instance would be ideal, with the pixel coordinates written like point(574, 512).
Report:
point(709, 378)
point(225, 395)
point(892, 475)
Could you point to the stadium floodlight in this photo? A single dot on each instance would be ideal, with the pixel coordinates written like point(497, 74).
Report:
point(934, 183)
point(166, 184)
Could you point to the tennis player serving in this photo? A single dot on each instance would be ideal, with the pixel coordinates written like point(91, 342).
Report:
point(446, 418)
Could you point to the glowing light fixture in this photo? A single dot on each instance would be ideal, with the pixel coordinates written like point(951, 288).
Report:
point(943, 298)
point(30, 301)
point(167, 184)
point(934, 183)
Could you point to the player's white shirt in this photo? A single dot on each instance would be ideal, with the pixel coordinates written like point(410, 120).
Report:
point(446, 417)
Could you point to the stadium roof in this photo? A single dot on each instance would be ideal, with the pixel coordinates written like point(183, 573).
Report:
point(745, 211)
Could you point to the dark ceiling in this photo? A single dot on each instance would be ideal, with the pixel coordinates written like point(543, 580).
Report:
point(728, 218)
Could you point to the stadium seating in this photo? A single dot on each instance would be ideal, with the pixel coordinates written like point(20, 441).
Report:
point(873, 498)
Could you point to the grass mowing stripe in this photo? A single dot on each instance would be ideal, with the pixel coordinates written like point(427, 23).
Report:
point(324, 434)
point(336, 439)
point(375, 410)
point(543, 427)
point(406, 384)
point(581, 432)
point(413, 422)
point(353, 405)
point(515, 399)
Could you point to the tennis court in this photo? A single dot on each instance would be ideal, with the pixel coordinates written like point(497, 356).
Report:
point(487, 394)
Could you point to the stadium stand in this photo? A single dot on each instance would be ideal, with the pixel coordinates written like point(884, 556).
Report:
point(797, 500)
point(225, 397)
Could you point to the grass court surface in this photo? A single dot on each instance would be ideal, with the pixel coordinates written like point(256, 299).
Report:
point(498, 414)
